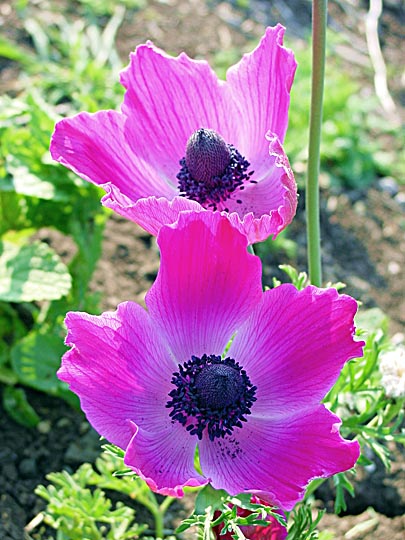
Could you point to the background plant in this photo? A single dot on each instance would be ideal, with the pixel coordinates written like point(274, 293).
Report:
point(74, 66)
point(354, 149)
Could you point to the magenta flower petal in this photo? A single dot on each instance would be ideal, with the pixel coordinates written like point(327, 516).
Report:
point(261, 84)
point(258, 198)
point(166, 100)
point(139, 156)
point(94, 146)
point(296, 342)
point(275, 459)
point(164, 459)
point(120, 369)
point(198, 298)
point(150, 213)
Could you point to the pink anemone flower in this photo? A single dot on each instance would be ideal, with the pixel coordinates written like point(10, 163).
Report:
point(185, 140)
point(273, 531)
point(216, 362)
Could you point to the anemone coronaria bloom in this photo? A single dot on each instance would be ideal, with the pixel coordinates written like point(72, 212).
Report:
point(185, 140)
point(216, 362)
point(273, 531)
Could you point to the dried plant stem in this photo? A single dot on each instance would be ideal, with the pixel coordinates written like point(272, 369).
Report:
point(319, 14)
point(377, 59)
point(35, 521)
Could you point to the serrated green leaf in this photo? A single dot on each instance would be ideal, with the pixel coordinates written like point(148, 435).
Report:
point(79, 512)
point(31, 272)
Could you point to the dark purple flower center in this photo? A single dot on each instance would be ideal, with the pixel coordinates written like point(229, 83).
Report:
point(212, 170)
point(212, 394)
point(207, 155)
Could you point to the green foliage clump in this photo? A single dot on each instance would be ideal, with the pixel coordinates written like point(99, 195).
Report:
point(303, 526)
point(353, 148)
point(77, 503)
point(79, 508)
point(106, 7)
point(36, 287)
point(74, 66)
point(215, 507)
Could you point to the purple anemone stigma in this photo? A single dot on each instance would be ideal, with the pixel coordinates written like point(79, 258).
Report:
point(212, 394)
point(212, 169)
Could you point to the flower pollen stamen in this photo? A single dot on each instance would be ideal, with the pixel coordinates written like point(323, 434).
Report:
point(211, 393)
point(211, 169)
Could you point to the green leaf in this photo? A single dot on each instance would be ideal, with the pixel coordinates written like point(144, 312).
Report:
point(379, 449)
point(15, 403)
point(299, 280)
point(211, 498)
point(7, 376)
point(31, 273)
point(342, 485)
point(11, 330)
point(208, 500)
point(26, 183)
point(12, 51)
point(302, 524)
point(35, 360)
point(113, 450)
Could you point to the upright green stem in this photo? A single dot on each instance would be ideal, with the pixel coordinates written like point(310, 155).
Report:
point(319, 15)
point(166, 503)
point(159, 525)
point(159, 514)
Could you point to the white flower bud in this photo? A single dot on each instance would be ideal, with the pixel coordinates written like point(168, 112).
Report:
point(392, 369)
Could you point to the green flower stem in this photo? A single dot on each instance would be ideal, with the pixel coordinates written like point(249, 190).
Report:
point(158, 512)
point(149, 501)
point(159, 516)
point(166, 503)
point(159, 532)
point(319, 15)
